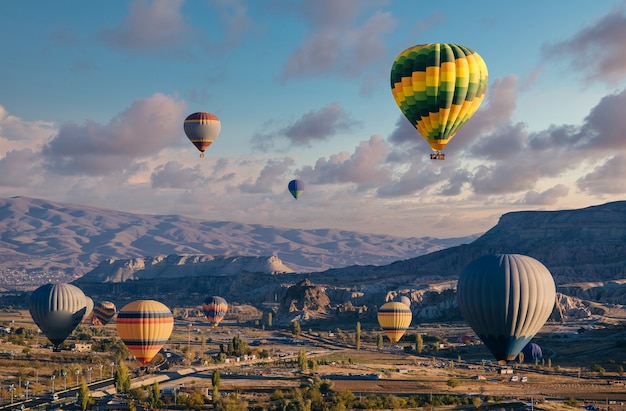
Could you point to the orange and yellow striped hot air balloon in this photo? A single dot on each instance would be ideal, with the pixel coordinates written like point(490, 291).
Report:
point(215, 308)
point(103, 313)
point(394, 318)
point(144, 326)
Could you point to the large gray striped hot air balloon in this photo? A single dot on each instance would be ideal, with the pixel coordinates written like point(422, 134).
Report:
point(506, 299)
point(57, 309)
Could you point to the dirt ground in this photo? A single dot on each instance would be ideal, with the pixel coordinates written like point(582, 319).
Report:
point(574, 353)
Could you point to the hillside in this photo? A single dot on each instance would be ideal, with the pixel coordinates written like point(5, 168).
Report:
point(584, 250)
point(43, 241)
point(587, 244)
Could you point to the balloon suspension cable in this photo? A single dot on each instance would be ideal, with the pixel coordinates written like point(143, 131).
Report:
point(437, 156)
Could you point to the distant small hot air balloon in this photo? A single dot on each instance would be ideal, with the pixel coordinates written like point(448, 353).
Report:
point(145, 326)
point(57, 309)
point(202, 129)
point(296, 187)
point(215, 309)
point(506, 299)
point(532, 352)
point(465, 339)
point(394, 318)
point(103, 313)
point(438, 87)
point(403, 299)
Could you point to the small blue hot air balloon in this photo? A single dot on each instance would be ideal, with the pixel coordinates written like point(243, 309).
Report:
point(296, 187)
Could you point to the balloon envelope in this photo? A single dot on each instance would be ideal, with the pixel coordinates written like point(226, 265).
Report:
point(103, 313)
point(465, 339)
point(404, 300)
point(202, 129)
point(215, 309)
point(144, 326)
point(57, 309)
point(394, 318)
point(296, 187)
point(532, 352)
point(506, 299)
point(438, 87)
point(89, 309)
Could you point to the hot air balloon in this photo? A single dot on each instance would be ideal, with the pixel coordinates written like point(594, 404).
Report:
point(296, 187)
point(403, 299)
point(506, 299)
point(215, 309)
point(465, 339)
point(89, 309)
point(394, 318)
point(57, 309)
point(144, 326)
point(202, 129)
point(103, 312)
point(438, 87)
point(532, 352)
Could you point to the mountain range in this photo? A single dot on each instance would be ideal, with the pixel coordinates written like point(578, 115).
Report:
point(44, 241)
point(584, 249)
point(320, 274)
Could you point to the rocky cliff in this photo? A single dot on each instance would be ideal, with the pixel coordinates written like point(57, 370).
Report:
point(181, 266)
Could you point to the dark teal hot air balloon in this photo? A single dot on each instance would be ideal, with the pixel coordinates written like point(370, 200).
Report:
point(506, 299)
point(296, 187)
point(57, 309)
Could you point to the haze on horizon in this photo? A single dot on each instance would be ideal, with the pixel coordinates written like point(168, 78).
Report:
point(93, 96)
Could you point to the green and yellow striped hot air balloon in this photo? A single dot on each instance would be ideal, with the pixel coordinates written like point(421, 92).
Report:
point(438, 87)
point(394, 318)
point(144, 326)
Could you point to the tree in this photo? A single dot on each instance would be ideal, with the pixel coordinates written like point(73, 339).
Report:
point(419, 343)
point(233, 403)
point(154, 396)
point(358, 335)
point(453, 382)
point(83, 396)
point(215, 380)
point(302, 360)
point(295, 327)
point(476, 401)
point(202, 343)
point(379, 341)
point(122, 378)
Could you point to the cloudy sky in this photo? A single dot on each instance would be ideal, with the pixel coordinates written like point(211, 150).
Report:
point(93, 96)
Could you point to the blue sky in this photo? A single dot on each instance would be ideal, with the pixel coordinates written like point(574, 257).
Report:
point(93, 96)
